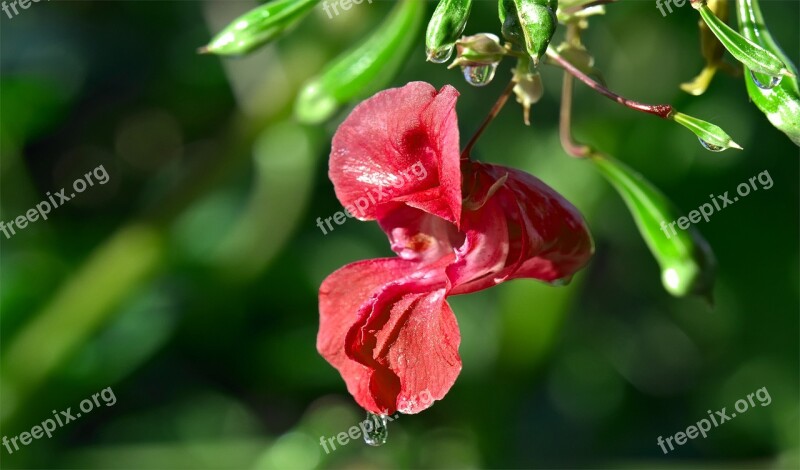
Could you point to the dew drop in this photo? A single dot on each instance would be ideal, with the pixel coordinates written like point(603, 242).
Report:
point(479, 75)
point(711, 147)
point(441, 55)
point(378, 430)
point(773, 81)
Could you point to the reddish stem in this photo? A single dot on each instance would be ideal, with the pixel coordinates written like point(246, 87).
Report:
point(565, 122)
point(661, 110)
point(489, 118)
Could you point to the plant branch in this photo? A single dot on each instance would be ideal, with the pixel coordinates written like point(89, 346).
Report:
point(565, 122)
point(661, 110)
point(489, 118)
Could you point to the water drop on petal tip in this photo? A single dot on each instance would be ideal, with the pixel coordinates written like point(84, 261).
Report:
point(378, 432)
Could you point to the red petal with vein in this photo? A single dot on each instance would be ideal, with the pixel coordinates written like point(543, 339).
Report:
point(399, 146)
point(341, 296)
point(409, 340)
point(545, 237)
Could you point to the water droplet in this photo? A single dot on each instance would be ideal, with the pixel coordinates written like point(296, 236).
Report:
point(711, 147)
point(378, 430)
point(441, 55)
point(479, 75)
point(564, 281)
point(773, 81)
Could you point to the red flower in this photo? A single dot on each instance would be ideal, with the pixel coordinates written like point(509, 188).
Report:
point(385, 323)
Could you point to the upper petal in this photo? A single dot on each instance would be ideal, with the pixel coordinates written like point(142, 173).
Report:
point(400, 145)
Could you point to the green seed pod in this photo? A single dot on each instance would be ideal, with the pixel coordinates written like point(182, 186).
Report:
point(747, 52)
point(779, 101)
point(687, 264)
point(711, 136)
point(529, 24)
point(364, 69)
point(259, 26)
point(446, 26)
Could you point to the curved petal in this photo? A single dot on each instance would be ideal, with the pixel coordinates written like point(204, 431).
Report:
point(401, 145)
point(485, 250)
point(560, 243)
point(408, 338)
point(543, 236)
point(341, 296)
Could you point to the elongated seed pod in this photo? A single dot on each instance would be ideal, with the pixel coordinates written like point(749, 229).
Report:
point(259, 26)
point(781, 102)
point(445, 27)
point(687, 263)
point(711, 136)
point(747, 52)
point(363, 69)
point(530, 24)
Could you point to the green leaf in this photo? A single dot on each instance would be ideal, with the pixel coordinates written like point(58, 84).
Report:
point(686, 261)
point(364, 69)
point(259, 26)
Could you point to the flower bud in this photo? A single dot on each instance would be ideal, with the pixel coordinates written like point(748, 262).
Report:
point(529, 24)
point(529, 90)
point(480, 49)
point(445, 27)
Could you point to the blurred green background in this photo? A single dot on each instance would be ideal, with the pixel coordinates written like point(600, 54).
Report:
point(188, 283)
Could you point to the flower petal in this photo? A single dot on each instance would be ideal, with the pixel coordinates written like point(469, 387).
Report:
point(341, 296)
point(484, 252)
point(409, 340)
point(543, 236)
point(417, 235)
point(401, 145)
